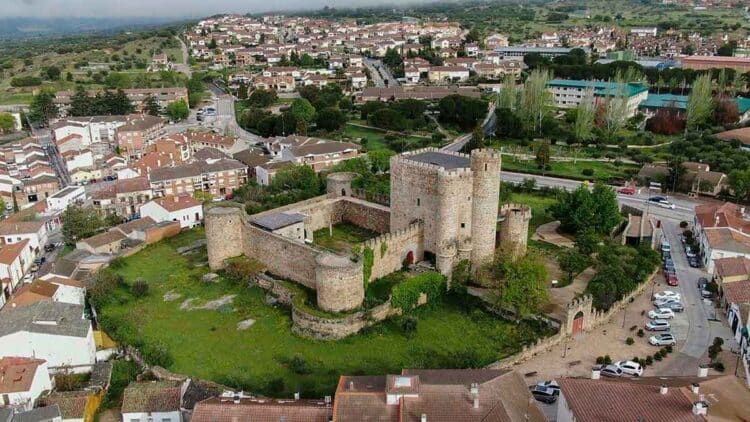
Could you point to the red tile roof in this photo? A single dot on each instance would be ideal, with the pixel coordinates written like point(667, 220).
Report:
point(9, 253)
point(737, 291)
point(32, 293)
point(732, 267)
point(219, 409)
point(724, 215)
point(602, 400)
point(17, 373)
point(175, 203)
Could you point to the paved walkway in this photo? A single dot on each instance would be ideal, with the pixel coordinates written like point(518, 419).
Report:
point(548, 233)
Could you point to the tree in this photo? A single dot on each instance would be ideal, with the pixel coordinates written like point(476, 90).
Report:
point(700, 102)
point(614, 112)
point(583, 208)
point(476, 141)
point(725, 111)
point(676, 171)
point(508, 96)
point(535, 100)
point(392, 58)
point(117, 80)
point(178, 110)
point(42, 107)
point(262, 98)
point(195, 89)
point(585, 116)
point(151, 106)
point(120, 104)
point(79, 223)
point(543, 155)
point(573, 262)
point(331, 119)
point(388, 118)
point(302, 178)
point(52, 73)
point(7, 125)
point(302, 110)
point(242, 91)
point(518, 285)
point(463, 111)
point(666, 121)
point(739, 183)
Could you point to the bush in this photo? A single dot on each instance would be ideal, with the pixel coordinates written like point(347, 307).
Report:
point(658, 356)
point(649, 360)
point(105, 283)
point(719, 366)
point(298, 365)
point(683, 224)
point(607, 360)
point(641, 333)
point(23, 81)
point(600, 360)
point(242, 268)
point(139, 288)
point(633, 327)
point(405, 295)
point(587, 172)
point(629, 341)
point(409, 325)
point(668, 349)
point(117, 263)
point(157, 354)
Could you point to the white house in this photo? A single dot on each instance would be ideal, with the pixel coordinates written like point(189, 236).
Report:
point(448, 73)
point(152, 401)
point(36, 231)
point(183, 208)
point(15, 260)
point(61, 199)
point(721, 231)
point(69, 290)
point(56, 332)
point(78, 159)
point(23, 380)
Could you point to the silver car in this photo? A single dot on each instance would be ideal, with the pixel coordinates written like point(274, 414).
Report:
point(664, 339)
point(611, 371)
point(657, 325)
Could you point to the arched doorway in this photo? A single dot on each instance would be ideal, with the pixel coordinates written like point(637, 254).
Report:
point(410, 258)
point(578, 323)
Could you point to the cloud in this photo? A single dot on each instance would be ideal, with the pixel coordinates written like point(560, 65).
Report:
point(164, 8)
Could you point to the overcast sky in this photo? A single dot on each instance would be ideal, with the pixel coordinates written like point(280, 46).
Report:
point(166, 8)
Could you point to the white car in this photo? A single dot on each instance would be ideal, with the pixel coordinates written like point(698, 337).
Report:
point(661, 313)
point(661, 201)
point(665, 302)
point(665, 294)
point(630, 367)
point(665, 339)
point(657, 325)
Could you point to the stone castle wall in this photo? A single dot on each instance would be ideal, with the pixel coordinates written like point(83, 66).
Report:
point(371, 216)
point(320, 328)
point(398, 244)
point(514, 229)
point(283, 257)
point(224, 233)
point(485, 167)
point(338, 281)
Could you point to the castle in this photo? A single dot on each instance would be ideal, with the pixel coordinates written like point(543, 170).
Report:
point(443, 209)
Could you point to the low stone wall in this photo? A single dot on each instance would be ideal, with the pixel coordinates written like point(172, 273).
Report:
point(321, 328)
point(278, 289)
point(593, 319)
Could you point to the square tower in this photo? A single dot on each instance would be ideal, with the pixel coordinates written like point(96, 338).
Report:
point(456, 198)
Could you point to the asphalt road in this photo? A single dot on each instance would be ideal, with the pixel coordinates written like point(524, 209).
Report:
point(374, 74)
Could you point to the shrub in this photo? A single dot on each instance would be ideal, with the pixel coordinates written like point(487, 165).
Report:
point(629, 341)
point(683, 224)
point(600, 360)
point(298, 365)
point(157, 354)
point(587, 172)
point(636, 359)
point(640, 333)
point(405, 295)
point(719, 366)
point(633, 328)
point(658, 356)
point(242, 268)
point(275, 386)
point(105, 283)
point(409, 325)
point(139, 288)
point(117, 263)
point(607, 360)
point(668, 349)
point(649, 361)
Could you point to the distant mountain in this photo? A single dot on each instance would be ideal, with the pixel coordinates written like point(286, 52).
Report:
point(34, 27)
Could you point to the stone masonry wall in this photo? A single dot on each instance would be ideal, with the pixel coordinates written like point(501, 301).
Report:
point(514, 229)
point(312, 326)
point(283, 257)
point(371, 216)
point(224, 234)
point(398, 245)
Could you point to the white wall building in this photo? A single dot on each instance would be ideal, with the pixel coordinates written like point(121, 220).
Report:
point(23, 380)
point(62, 199)
point(183, 208)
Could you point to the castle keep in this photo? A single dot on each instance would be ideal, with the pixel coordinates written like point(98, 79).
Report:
point(443, 209)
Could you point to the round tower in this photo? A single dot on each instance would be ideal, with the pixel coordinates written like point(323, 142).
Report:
point(485, 167)
point(224, 234)
point(340, 184)
point(514, 229)
point(338, 282)
point(446, 221)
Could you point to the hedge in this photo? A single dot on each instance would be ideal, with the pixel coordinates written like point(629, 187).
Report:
point(405, 295)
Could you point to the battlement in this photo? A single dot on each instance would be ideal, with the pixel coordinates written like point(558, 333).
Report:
point(583, 302)
point(374, 243)
point(518, 210)
point(486, 153)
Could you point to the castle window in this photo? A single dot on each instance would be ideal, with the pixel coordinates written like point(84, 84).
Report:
point(418, 202)
point(463, 225)
point(468, 198)
point(485, 166)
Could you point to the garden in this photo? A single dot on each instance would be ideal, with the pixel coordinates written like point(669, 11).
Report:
point(157, 301)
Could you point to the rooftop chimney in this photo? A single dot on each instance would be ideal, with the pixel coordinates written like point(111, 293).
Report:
point(296, 395)
point(328, 400)
point(702, 371)
point(424, 417)
point(663, 389)
point(695, 388)
point(596, 373)
point(351, 385)
point(236, 399)
point(474, 389)
point(476, 402)
point(700, 408)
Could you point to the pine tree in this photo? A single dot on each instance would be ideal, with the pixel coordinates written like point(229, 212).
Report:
point(543, 155)
point(700, 102)
point(151, 106)
point(122, 104)
point(242, 91)
point(80, 103)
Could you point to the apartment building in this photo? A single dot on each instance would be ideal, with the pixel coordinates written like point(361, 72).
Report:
point(215, 177)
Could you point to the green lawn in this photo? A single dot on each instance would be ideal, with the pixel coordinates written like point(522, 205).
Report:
point(342, 237)
point(206, 343)
point(539, 205)
point(374, 139)
point(603, 171)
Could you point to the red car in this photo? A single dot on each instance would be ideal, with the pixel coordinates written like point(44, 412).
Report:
point(672, 279)
point(627, 190)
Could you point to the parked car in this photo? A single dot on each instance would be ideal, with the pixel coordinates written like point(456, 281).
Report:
point(702, 283)
point(672, 279)
point(665, 294)
point(28, 278)
point(662, 303)
point(658, 325)
point(664, 339)
point(665, 246)
point(627, 190)
point(689, 252)
point(666, 255)
point(661, 313)
point(675, 306)
point(694, 262)
point(705, 294)
point(661, 201)
point(543, 394)
point(630, 367)
point(611, 371)
point(550, 384)
point(49, 247)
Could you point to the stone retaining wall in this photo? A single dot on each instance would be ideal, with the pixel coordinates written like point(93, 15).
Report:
point(398, 244)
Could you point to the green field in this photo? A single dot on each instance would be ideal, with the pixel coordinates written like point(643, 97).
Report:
point(342, 237)
point(603, 171)
point(375, 139)
point(261, 359)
